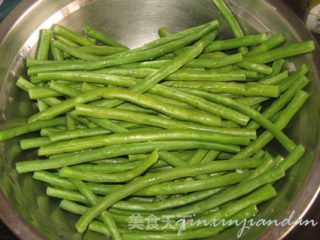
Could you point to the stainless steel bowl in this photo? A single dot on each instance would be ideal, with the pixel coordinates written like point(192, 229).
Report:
point(23, 204)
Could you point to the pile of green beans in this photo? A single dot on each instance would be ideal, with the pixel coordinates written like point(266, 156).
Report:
point(173, 128)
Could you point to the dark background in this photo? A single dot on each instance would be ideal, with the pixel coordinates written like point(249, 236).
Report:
point(305, 233)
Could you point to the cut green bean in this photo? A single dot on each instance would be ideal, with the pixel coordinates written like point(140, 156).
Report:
point(277, 66)
point(102, 38)
point(246, 41)
point(231, 20)
point(256, 90)
point(113, 60)
point(287, 143)
point(75, 37)
point(195, 185)
point(42, 92)
point(167, 203)
point(281, 123)
point(153, 179)
point(56, 53)
point(31, 127)
point(275, 79)
point(273, 42)
point(29, 143)
point(77, 133)
point(104, 177)
point(114, 151)
point(277, 105)
point(73, 51)
point(45, 40)
point(138, 136)
point(153, 120)
point(291, 50)
point(57, 181)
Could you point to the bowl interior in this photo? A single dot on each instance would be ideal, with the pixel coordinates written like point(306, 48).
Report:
point(134, 22)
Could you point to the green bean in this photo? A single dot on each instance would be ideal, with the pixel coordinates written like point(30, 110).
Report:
point(167, 203)
point(150, 66)
point(266, 165)
point(77, 133)
point(292, 158)
point(195, 185)
point(202, 232)
point(82, 120)
point(105, 177)
point(267, 45)
point(113, 60)
point(75, 37)
point(88, 77)
point(184, 74)
point(67, 41)
point(283, 52)
point(251, 101)
point(286, 83)
point(31, 127)
point(277, 105)
point(229, 194)
point(231, 20)
point(197, 156)
point(200, 103)
point(29, 143)
point(111, 225)
point(101, 50)
point(24, 84)
point(70, 122)
point(196, 63)
point(65, 106)
point(140, 136)
point(210, 156)
point(107, 167)
point(286, 115)
point(64, 89)
point(44, 132)
point(55, 180)
point(257, 90)
point(85, 191)
point(153, 120)
point(262, 194)
point(208, 75)
point(56, 53)
point(102, 38)
point(277, 66)
point(113, 151)
point(287, 143)
point(246, 41)
point(171, 159)
point(42, 105)
point(205, 105)
point(275, 79)
point(64, 194)
point(42, 92)
point(108, 125)
point(163, 32)
point(136, 98)
point(153, 179)
point(43, 50)
point(177, 36)
point(73, 51)
point(187, 54)
point(92, 199)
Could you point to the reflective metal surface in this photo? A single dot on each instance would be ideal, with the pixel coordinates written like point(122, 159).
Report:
point(23, 204)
